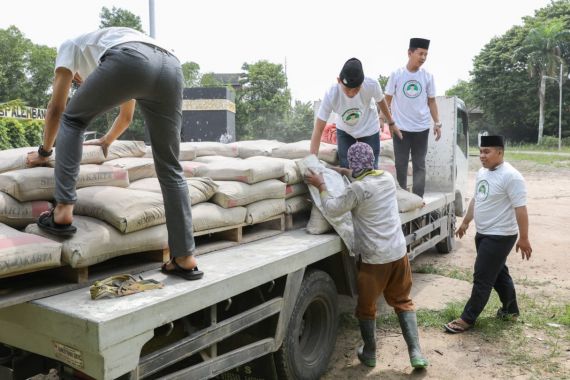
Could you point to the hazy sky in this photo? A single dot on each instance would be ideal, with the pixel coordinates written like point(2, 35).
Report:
point(313, 37)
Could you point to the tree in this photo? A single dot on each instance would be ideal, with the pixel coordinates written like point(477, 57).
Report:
point(208, 80)
point(119, 17)
point(464, 91)
point(383, 80)
point(263, 102)
point(542, 48)
point(299, 124)
point(191, 71)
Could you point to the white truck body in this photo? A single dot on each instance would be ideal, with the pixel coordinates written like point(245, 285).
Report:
point(273, 297)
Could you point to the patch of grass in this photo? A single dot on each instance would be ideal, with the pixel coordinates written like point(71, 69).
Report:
point(541, 159)
point(448, 271)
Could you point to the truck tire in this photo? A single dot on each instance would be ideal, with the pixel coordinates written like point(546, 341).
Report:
point(311, 335)
point(448, 244)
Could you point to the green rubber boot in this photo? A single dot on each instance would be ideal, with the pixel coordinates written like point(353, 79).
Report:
point(367, 352)
point(409, 326)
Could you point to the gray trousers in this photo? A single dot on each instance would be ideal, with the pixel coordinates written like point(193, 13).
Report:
point(417, 144)
point(154, 78)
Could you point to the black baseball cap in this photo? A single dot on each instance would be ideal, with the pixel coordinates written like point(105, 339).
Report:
point(352, 74)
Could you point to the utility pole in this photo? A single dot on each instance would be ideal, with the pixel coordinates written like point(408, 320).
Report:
point(560, 108)
point(151, 18)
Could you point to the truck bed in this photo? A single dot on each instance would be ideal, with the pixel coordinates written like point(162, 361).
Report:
point(104, 337)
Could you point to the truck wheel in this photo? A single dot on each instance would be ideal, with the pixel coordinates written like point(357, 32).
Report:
point(448, 244)
point(311, 335)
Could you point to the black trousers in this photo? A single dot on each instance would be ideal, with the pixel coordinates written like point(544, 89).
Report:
point(415, 143)
point(490, 273)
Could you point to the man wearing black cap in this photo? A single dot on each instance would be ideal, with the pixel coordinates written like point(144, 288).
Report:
point(351, 98)
point(410, 93)
point(499, 210)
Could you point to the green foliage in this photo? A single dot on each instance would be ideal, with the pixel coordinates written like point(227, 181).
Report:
point(464, 91)
point(33, 132)
point(299, 124)
point(191, 71)
point(383, 80)
point(119, 17)
point(16, 132)
point(208, 80)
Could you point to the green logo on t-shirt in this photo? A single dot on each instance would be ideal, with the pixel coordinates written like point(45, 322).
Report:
point(482, 191)
point(412, 88)
point(351, 116)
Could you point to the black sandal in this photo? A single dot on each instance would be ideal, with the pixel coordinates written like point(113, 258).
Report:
point(187, 274)
point(46, 222)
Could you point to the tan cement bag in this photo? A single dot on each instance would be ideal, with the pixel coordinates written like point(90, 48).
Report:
point(200, 189)
point(248, 171)
point(21, 252)
point(233, 193)
point(96, 241)
point(296, 189)
point(126, 210)
point(208, 216)
point(214, 159)
point(148, 152)
point(387, 149)
point(187, 152)
point(256, 147)
point(190, 167)
point(124, 148)
point(136, 167)
point(263, 210)
point(292, 173)
point(297, 204)
point(408, 201)
point(19, 214)
point(39, 183)
point(92, 154)
point(14, 159)
point(301, 149)
point(317, 223)
point(210, 148)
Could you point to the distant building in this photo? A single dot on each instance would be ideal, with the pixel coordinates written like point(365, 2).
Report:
point(228, 79)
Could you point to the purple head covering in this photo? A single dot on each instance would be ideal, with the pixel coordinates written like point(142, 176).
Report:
point(360, 157)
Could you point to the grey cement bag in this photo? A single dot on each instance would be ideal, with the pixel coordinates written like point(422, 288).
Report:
point(187, 152)
point(126, 210)
point(200, 189)
point(207, 216)
point(14, 159)
point(292, 174)
point(248, 171)
point(208, 148)
point(408, 201)
point(21, 252)
point(213, 159)
point(296, 189)
point(256, 147)
point(19, 214)
point(317, 222)
point(124, 148)
point(387, 149)
point(190, 168)
point(301, 149)
point(96, 241)
point(297, 204)
point(263, 210)
point(148, 152)
point(233, 193)
point(136, 167)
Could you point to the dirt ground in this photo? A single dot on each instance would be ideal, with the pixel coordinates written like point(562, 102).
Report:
point(545, 278)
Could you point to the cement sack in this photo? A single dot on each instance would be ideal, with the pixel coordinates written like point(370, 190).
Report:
point(292, 173)
point(263, 210)
point(387, 149)
point(126, 210)
point(187, 152)
point(208, 216)
point(213, 159)
point(148, 152)
point(92, 154)
point(297, 204)
point(200, 189)
point(14, 159)
point(22, 252)
point(256, 147)
point(301, 149)
point(136, 167)
point(296, 189)
point(210, 148)
point(233, 193)
point(124, 148)
point(96, 241)
point(335, 185)
point(19, 214)
point(408, 201)
point(39, 183)
point(190, 167)
point(248, 171)
point(317, 222)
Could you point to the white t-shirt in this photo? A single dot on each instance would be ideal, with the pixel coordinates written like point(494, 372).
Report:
point(82, 54)
point(378, 235)
point(410, 92)
point(357, 116)
point(497, 193)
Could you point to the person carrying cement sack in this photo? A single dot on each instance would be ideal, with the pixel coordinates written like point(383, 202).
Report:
point(384, 267)
point(354, 98)
point(499, 210)
point(113, 67)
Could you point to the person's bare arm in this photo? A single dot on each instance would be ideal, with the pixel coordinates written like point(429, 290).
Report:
point(523, 244)
point(435, 116)
point(55, 108)
point(316, 136)
point(466, 220)
point(121, 123)
point(384, 107)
